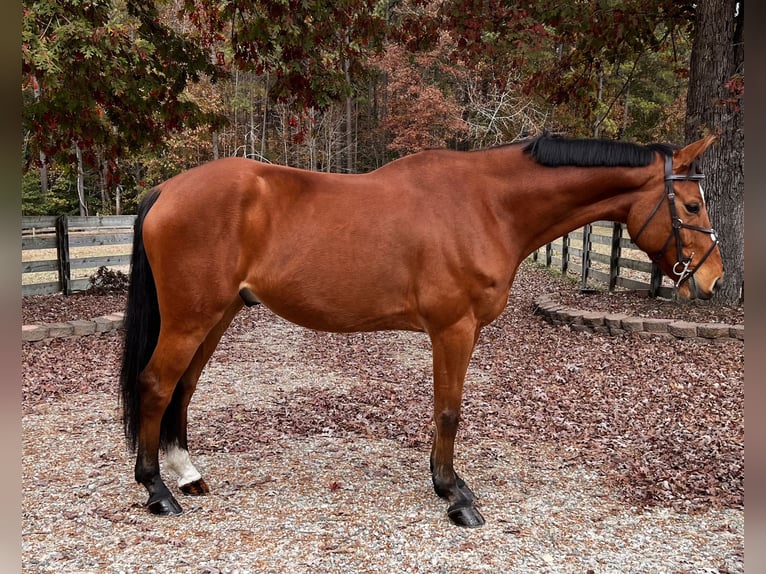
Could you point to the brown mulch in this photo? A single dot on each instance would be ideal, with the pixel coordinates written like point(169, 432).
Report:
point(588, 453)
point(36, 309)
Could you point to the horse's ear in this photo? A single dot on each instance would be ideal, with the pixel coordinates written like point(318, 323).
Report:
point(683, 158)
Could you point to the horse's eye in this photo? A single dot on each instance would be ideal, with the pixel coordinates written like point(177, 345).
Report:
point(692, 207)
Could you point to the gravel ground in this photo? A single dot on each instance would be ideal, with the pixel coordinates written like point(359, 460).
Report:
point(588, 453)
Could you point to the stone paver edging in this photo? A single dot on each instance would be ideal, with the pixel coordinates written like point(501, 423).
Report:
point(621, 324)
point(77, 328)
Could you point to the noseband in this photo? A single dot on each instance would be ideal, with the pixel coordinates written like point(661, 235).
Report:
point(681, 268)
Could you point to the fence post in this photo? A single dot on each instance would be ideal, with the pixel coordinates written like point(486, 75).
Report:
point(655, 281)
point(586, 246)
point(565, 254)
point(62, 251)
point(614, 257)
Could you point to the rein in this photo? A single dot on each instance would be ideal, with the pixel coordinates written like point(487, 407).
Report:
point(681, 268)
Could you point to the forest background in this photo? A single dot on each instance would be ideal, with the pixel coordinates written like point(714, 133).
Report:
point(119, 95)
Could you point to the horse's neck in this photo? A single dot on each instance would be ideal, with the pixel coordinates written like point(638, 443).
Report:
point(560, 200)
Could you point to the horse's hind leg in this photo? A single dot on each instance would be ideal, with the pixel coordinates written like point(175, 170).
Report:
point(166, 386)
point(157, 382)
point(174, 438)
point(452, 349)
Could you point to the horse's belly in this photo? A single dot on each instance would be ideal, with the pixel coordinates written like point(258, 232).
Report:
point(338, 318)
point(340, 308)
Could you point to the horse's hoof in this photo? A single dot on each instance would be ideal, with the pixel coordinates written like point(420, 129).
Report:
point(465, 514)
point(164, 507)
point(196, 488)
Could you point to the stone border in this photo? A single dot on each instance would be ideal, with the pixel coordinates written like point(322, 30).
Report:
point(622, 324)
point(77, 328)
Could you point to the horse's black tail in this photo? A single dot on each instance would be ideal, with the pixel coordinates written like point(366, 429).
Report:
point(142, 324)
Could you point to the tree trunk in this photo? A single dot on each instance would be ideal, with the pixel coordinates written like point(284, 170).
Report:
point(716, 103)
point(350, 168)
point(43, 175)
point(43, 157)
point(251, 132)
point(103, 180)
point(80, 181)
point(350, 163)
point(625, 112)
point(350, 158)
point(265, 116)
point(599, 96)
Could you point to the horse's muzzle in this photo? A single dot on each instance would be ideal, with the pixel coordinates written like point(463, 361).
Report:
point(695, 292)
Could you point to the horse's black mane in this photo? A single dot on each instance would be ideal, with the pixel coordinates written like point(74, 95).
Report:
point(554, 151)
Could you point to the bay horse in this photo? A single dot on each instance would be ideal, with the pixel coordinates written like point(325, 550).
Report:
point(430, 242)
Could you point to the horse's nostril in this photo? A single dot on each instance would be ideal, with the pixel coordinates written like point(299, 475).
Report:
point(716, 285)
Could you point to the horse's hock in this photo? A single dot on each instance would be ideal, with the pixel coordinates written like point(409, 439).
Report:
point(621, 324)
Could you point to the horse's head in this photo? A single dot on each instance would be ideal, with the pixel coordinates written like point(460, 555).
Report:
point(673, 227)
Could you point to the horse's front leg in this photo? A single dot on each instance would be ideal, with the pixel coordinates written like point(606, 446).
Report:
point(452, 349)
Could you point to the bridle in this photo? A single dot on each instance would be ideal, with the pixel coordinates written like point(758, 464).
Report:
point(681, 268)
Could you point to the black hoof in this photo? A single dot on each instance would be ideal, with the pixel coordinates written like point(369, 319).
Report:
point(164, 506)
point(196, 488)
point(465, 514)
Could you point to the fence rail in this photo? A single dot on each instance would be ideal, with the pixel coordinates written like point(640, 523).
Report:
point(59, 254)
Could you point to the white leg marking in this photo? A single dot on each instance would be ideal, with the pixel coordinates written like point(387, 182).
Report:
point(178, 461)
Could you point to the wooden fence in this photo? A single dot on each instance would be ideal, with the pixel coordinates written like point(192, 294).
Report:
point(603, 253)
point(59, 254)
